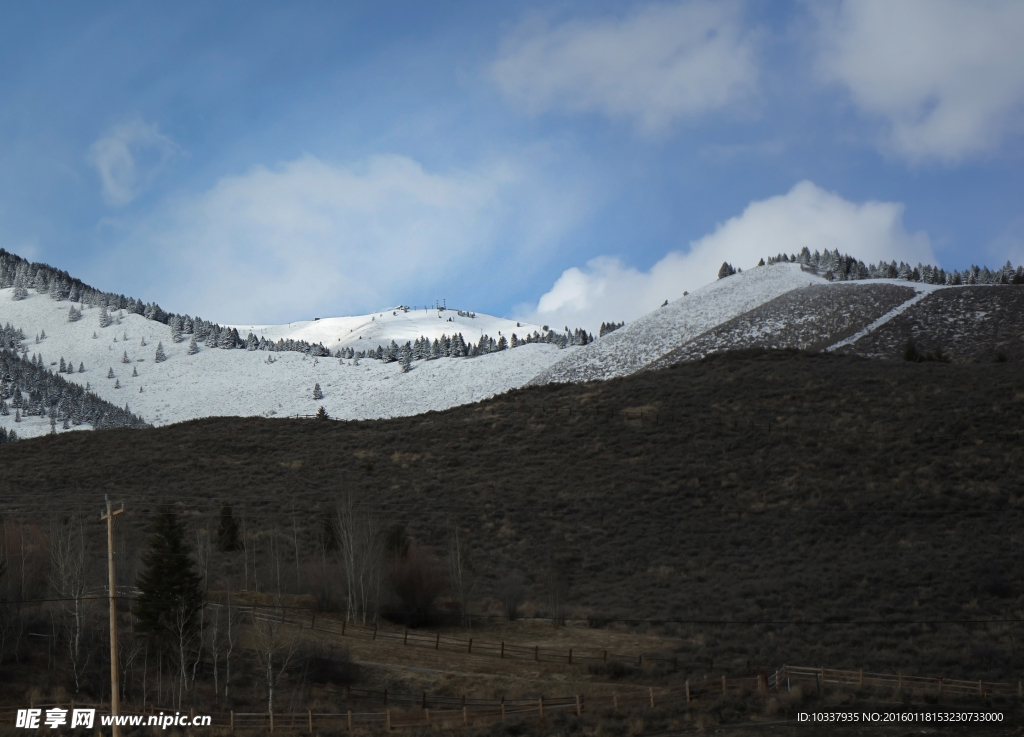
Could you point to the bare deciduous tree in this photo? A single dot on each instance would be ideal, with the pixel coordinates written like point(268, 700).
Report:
point(461, 575)
point(68, 585)
point(275, 646)
point(361, 543)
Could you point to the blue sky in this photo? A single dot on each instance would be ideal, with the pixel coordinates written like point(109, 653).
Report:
point(569, 163)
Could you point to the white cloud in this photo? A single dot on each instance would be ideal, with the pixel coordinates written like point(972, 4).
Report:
point(947, 76)
point(607, 290)
point(129, 158)
point(660, 64)
point(310, 238)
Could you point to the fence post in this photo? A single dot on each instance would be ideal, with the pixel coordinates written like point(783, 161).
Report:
point(502, 649)
point(980, 691)
point(343, 623)
point(502, 708)
point(687, 691)
point(405, 640)
point(470, 650)
point(723, 684)
point(232, 722)
point(540, 707)
point(374, 631)
point(615, 701)
point(465, 717)
point(579, 707)
point(311, 721)
point(427, 712)
point(349, 720)
point(423, 703)
point(652, 696)
point(271, 721)
point(437, 641)
point(536, 652)
point(570, 656)
point(388, 724)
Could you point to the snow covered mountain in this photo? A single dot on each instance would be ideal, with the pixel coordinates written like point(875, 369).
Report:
point(141, 362)
point(639, 344)
point(119, 364)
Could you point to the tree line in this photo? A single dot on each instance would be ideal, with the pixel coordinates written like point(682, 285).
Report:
point(186, 634)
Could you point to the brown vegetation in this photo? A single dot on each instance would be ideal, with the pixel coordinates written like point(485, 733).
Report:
point(770, 508)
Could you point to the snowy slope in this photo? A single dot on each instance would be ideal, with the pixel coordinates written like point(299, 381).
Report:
point(365, 332)
point(238, 382)
point(638, 344)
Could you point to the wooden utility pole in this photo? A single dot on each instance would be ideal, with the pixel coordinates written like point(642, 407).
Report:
point(112, 584)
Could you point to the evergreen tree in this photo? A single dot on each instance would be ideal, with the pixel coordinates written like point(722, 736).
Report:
point(81, 368)
point(321, 414)
point(170, 595)
point(160, 357)
point(193, 347)
point(63, 367)
point(125, 359)
point(117, 383)
point(176, 329)
point(227, 531)
point(317, 393)
point(110, 373)
point(74, 315)
point(104, 317)
point(135, 371)
point(726, 270)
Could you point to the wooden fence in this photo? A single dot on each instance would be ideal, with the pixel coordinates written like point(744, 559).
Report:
point(468, 646)
point(788, 675)
point(409, 710)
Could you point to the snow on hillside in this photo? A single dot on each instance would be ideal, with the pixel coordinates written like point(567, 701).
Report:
point(636, 345)
point(401, 324)
point(237, 382)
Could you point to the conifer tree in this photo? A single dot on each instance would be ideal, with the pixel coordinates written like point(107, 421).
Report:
point(125, 359)
point(104, 317)
point(81, 368)
point(135, 371)
point(193, 347)
point(170, 594)
point(317, 393)
point(160, 357)
point(321, 414)
point(110, 373)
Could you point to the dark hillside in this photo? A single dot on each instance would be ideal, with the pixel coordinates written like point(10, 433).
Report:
point(865, 508)
point(811, 318)
point(978, 323)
